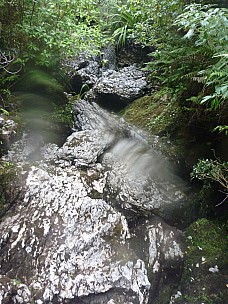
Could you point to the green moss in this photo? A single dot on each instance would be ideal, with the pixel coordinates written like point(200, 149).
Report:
point(204, 278)
point(202, 298)
point(209, 239)
point(63, 114)
point(155, 113)
point(164, 296)
point(7, 175)
point(159, 114)
point(16, 281)
point(141, 110)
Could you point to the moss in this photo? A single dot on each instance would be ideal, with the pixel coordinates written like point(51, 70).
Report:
point(208, 238)
point(202, 298)
point(95, 194)
point(155, 113)
point(8, 173)
point(159, 114)
point(204, 278)
point(63, 114)
point(163, 114)
point(164, 296)
point(141, 111)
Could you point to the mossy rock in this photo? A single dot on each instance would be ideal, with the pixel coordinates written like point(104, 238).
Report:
point(204, 278)
point(159, 114)
point(162, 114)
point(8, 176)
point(155, 113)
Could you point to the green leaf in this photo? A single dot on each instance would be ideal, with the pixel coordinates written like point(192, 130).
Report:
point(206, 98)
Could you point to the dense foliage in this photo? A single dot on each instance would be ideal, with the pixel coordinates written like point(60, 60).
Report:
point(42, 33)
point(47, 29)
point(143, 21)
point(190, 61)
point(194, 62)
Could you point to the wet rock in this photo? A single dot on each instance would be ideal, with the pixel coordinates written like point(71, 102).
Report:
point(163, 252)
point(25, 149)
point(133, 53)
point(89, 116)
point(142, 181)
point(109, 58)
point(83, 71)
point(139, 178)
point(113, 88)
point(65, 244)
point(12, 291)
point(8, 129)
point(85, 147)
point(116, 89)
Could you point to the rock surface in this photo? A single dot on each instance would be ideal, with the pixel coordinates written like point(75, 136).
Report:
point(112, 87)
point(85, 72)
point(123, 86)
point(8, 129)
point(73, 238)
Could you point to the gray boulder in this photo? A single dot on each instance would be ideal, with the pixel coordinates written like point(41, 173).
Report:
point(65, 245)
point(116, 89)
point(83, 71)
point(111, 87)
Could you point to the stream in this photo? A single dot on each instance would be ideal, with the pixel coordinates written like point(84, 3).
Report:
point(95, 220)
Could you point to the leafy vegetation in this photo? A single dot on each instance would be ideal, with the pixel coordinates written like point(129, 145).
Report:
point(213, 170)
point(208, 28)
point(144, 21)
point(194, 59)
point(41, 34)
point(46, 29)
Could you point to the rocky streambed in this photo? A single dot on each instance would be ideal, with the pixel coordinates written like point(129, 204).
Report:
point(98, 218)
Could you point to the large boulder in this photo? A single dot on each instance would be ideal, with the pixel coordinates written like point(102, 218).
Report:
point(64, 245)
point(85, 70)
point(112, 86)
point(116, 89)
